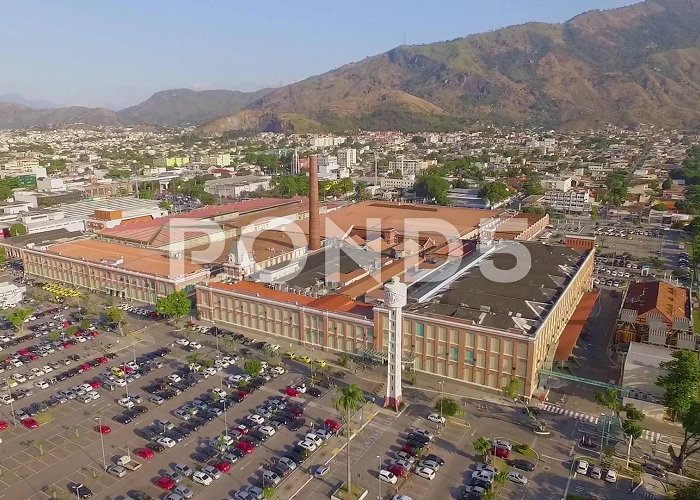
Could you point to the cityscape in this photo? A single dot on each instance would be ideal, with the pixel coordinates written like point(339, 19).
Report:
point(434, 273)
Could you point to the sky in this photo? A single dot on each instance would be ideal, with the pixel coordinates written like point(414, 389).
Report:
point(116, 53)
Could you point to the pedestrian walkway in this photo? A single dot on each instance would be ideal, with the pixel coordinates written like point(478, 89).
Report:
point(592, 419)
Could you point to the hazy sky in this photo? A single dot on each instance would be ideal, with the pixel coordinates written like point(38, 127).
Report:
point(117, 52)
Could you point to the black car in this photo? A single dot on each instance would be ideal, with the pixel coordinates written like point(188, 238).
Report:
point(200, 457)
point(297, 457)
point(587, 442)
point(522, 464)
point(260, 436)
point(80, 490)
point(418, 445)
point(434, 458)
point(315, 392)
point(61, 377)
point(157, 447)
point(110, 355)
point(297, 424)
point(654, 470)
point(275, 424)
point(132, 413)
point(301, 451)
point(122, 418)
point(138, 495)
point(140, 409)
point(174, 435)
point(167, 395)
point(147, 433)
point(419, 437)
point(532, 410)
point(199, 422)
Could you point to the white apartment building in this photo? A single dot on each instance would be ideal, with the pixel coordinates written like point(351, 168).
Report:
point(22, 166)
point(556, 183)
point(347, 157)
point(405, 182)
point(217, 160)
point(327, 141)
point(572, 200)
point(408, 166)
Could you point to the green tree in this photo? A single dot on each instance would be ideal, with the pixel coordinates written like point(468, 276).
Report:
point(448, 407)
point(18, 229)
point(495, 191)
point(3, 255)
point(176, 305)
point(680, 382)
point(17, 317)
point(118, 317)
point(165, 205)
point(667, 184)
point(53, 336)
point(690, 491)
point(268, 493)
point(252, 367)
point(433, 188)
point(610, 399)
point(349, 399)
point(488, 495)
point(533, 186)
point(691, 437)
point(482, 446)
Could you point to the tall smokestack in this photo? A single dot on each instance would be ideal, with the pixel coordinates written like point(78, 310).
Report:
point(314, 205)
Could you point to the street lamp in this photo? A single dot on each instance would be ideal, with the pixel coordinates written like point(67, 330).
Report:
point(12, 406)
point(379, 478)
point(441, 383)
point(98, 419)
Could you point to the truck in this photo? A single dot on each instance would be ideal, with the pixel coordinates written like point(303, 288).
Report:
point(126, 462)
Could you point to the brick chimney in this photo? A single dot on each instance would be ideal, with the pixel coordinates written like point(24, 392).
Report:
point(314, 205)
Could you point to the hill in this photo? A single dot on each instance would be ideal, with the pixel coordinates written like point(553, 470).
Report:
point(185, 106)
point(19, 116)
point(628, 65)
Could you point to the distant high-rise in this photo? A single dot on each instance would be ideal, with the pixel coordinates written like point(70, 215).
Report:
point(296, 166)
point(347, 157)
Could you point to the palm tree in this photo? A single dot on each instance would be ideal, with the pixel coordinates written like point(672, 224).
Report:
point(482, 446)
point(350, 399)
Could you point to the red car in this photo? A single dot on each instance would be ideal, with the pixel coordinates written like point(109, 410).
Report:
point(3, 425)
point(146, 453)
point(30, 423)
point(246, 447)
point(103, 429)
point(93, 333)
point(410, 450)
point(242, 429)
point(223, 466)
point(243, 394)
point(166, 483)
point(291, 391)
point(331, 424)
point(95, 384)
point(67, 324)
point(398, 471)
point(24, 352)
point(501, 452)
point(102, 360)
point(33, 356)
point(67, 345)
point(86, 367)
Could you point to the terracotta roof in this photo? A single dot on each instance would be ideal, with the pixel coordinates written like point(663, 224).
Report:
point(573, 329)
point(136, 259)
point(658, 297)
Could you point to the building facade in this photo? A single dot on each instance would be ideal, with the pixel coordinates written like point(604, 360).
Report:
point(408, 166)
point(569, 201)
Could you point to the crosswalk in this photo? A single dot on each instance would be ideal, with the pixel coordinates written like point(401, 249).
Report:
point(592, 419)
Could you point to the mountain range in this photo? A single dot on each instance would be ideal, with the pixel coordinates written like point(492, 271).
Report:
point(635, 64)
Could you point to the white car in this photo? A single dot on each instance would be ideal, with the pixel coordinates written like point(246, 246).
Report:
point(435, 417)
point(237, 379)
point(120, 382)
point(166, 441)
point(426, 433)
point(19, 377)
point(219, 392)
point(582, 467)
point(307, 445)
point(487, 467)
point(257, 419)
point(611, 476)
point(202, 478)
point(38, 372)
point(125, 402)
point(195, 345)
point(47, 368)
point(516, 477)
point(501, 443)
point(208, 372)
point(222, 363)
point(211, 471)
point(483, 476)
point(478, 490)
point(41, 384)
point(174, 378)
point(277, 370)
point(182, 342)
point(268, 430)
point(6, 399)
point(387, 477)
point(94, 395)
point(425, 472)
point(314, 439)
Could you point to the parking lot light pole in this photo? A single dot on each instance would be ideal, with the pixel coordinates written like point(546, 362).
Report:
point(379, 478)
point(98, 419)
point(12, 406)
point(442, 396)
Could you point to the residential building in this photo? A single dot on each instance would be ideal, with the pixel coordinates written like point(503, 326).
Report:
point(171, 161)
point(347, 157)
point(574, 200)
point(235, 187)
point(404, 182)
point(556, 183)
point(327, 141)
point(407, 166)
point(217, 160)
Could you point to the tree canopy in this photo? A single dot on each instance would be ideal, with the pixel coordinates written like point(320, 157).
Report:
point(495, 191)
point(448, 407)
point(176, 305)
point(681, 381)
point(118, 317)
point(433, 188)
point(17, 317)
point(252, 367)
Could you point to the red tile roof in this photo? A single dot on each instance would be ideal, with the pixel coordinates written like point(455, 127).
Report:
point(572, 330)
